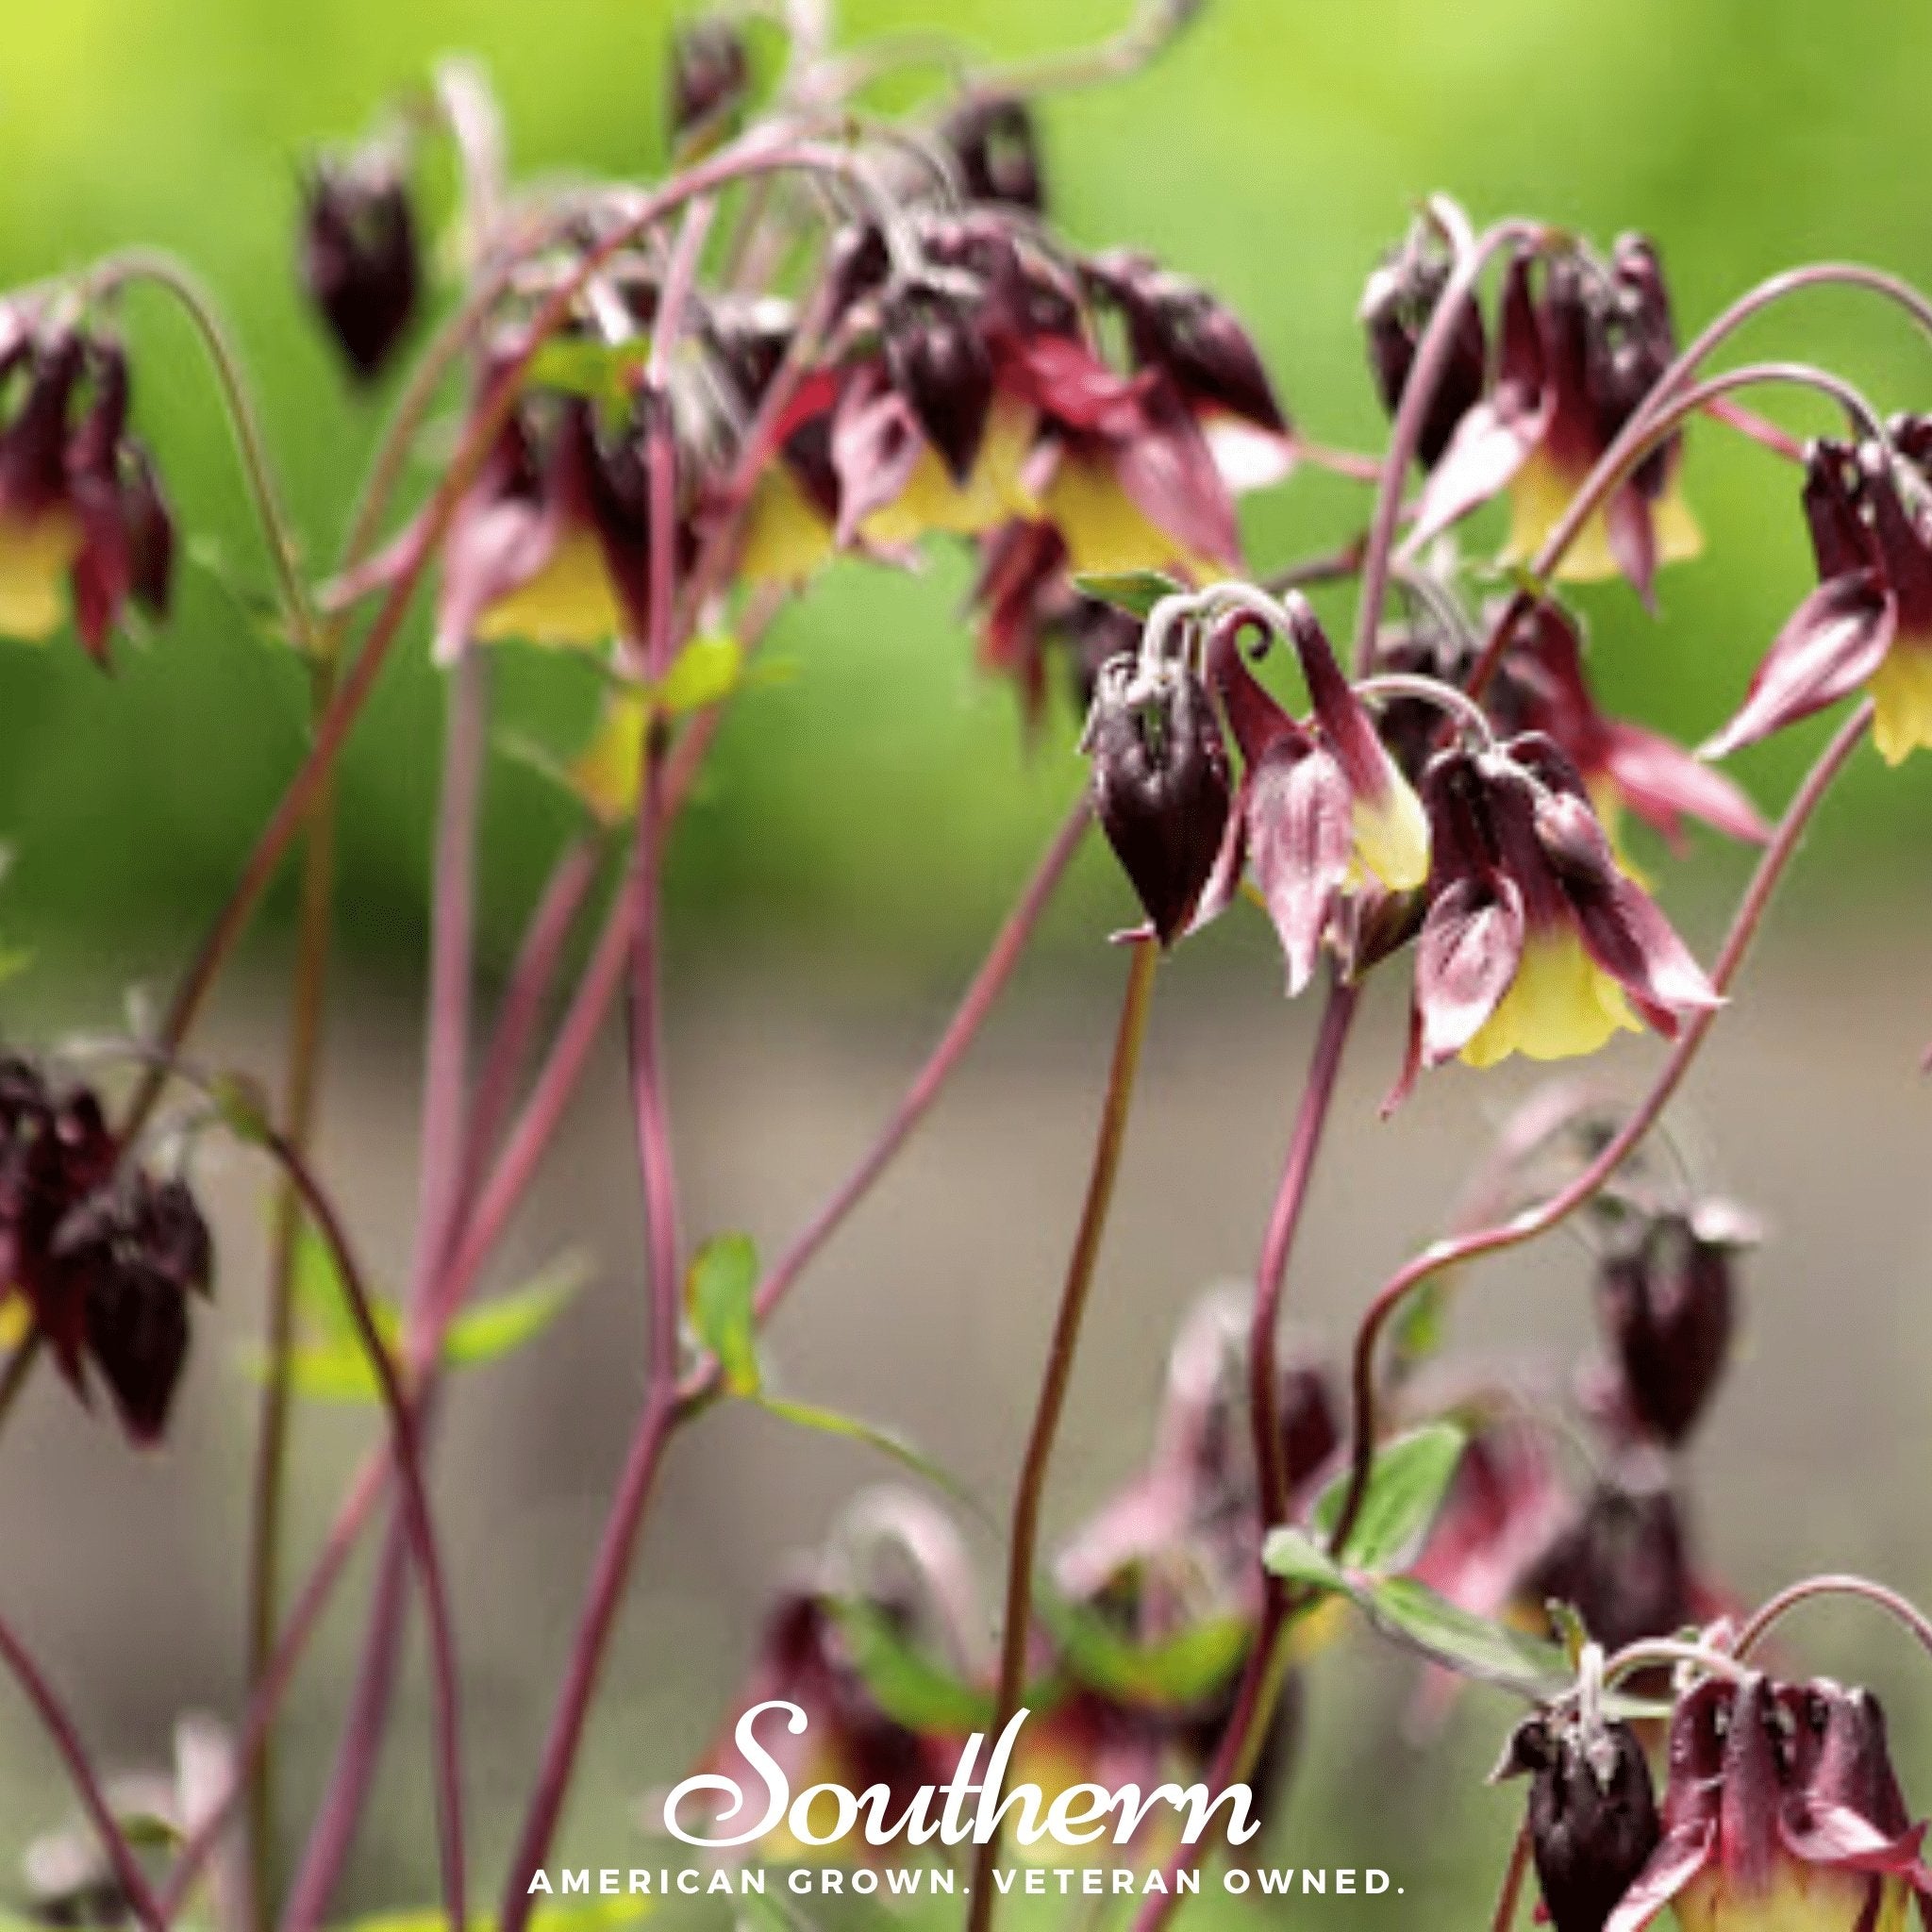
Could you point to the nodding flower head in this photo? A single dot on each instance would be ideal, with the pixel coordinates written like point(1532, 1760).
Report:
point(1869, 623)
point(361, 258)
point(1592, 1813)
point(104, 1253)
point(1666, 1297)
point(707, 76)
point(1622, 1564)
point(995, 146)
point(83, 524)
point(1161, 784)
point(1398, 304)
point(940, 365)
point(1782, 1814)
point(1575, 359)
point(1322, 808)
point(1536, 941)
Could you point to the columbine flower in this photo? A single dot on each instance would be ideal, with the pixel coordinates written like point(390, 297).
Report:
point(1397, 305)
point(359, 254)
point(1667, 1300)
point(104, 1253)
point(996, 149)
point(1536, 941)
point(84, 525)
point(1574, 364)
point(1318, 809)
point(1622, 1565)
point(1869, 623)
point(1159, 784)
point(1540, 685)
point(1782, 1814)
point(1592, 1813)
point(708, 75)
point(550, 543)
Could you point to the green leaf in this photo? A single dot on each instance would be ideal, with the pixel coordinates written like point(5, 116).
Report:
point(718, 1300)
point(316, 1284)
point(507, 1323)
point(1294, 1555)
point(829, 1421)
point(707, 672)
point(1472, 1647)
point(1136, 592)
point(1406, 1487)
point(910, 1686)
point(581, 366)
point(1180, 1671)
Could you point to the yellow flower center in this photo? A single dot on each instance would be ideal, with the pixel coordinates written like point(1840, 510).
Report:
point(1391, 836)
point(1560, 1004)
point(1800, 1898)
point(35, 558)
point(991, 494)
point(570, 601)
point(1540, 495)
point(786, 539)
point(1902, 700)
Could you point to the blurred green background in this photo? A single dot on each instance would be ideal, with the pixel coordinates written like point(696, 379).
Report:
point(885, 793)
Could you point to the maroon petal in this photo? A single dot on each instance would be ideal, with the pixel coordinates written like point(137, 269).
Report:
point(1169, 472)
point(1466, 955)
point(1632, 533)
point(1674, 1863)
point(491, 550)
point(1663, 784)
point(1831, 645)
point(1824, 1834)
point(1300, 841)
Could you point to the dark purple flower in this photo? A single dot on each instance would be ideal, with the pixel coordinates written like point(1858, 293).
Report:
point(1397, 306)
point(360, 256)
point(996, 147)
point(709, 72)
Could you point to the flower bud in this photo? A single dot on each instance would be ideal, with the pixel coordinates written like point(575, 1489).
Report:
point(996, 147)
point(1160, 785)
point(360, 257)
point(1667, 1307)
point(709, 74)
point(1592, 1814)
point(1396, 308)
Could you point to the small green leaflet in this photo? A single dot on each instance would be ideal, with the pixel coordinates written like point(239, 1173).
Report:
point(829, 1421)
point(719, 1289)
point(706, 672)
point(581, 366)
point(909, 1686)
point(1407, 1485)
point(1136, 592)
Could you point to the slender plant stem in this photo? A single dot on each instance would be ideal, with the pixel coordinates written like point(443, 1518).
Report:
point(1029, 1491)
point(301, 1102)
point(66, 1740)
point(1513, 1874)
point(445, 1073)
point(1271, 1273)
point(1535, 1221)
point(1899, 1606)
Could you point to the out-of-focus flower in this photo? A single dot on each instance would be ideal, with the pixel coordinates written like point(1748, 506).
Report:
point(1869, 623)
point(1506, 1504)
point(361, 258)
point(1575, 363)
point(1667, 1297)
point(1536, 941)
point(995, 146)
point(1782, 1814)
point(1540, 685)
point(1592, 1814)
point(1318, 807)
point(1160, 786)
point(1622, 1565)
point(84, 525)
point(708, 75)
point(103, 1253)
point(1397, 306)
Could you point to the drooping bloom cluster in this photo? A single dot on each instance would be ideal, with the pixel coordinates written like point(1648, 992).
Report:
point(103, 1254)
point(359, 254)
point(84, 526)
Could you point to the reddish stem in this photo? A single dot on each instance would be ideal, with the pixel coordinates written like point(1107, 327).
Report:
point(1513, 1874)
point(1901, 1607)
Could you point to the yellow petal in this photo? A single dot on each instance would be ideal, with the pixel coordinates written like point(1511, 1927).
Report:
point(570, 601)
point(1391, 836)
point(994, 493)
point(1560, 1004)
point(786, 539)
point(1902, 700)
point(1103, 529)
point(35, 558)
point(1541, 495)
point(16, 1318)
point(1800, 1898)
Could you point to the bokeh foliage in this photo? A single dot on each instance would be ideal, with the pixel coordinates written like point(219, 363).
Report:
point(883, 798)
